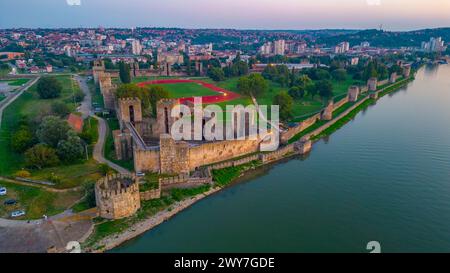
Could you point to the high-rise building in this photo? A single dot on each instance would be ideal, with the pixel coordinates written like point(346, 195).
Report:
point(136, 47)
point(434, 45)
point(266, 49)
point(279, 47)
point(342, 48)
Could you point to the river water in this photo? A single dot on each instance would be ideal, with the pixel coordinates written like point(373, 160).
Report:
point(383, 177)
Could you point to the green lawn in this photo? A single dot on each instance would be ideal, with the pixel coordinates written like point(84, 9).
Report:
point(2, 97)
point(36, 201)
point(186, 90)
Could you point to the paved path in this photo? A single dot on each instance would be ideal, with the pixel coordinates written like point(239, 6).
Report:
point(99, 147)
point(86, 105)
point(86, 110)
point(6, 102)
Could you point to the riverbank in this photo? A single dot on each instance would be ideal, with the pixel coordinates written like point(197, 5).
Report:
point(130, 232)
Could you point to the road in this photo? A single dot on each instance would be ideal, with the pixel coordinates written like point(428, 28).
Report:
point(86, 106)
point(99, 147)
point(6, 102)
point(86, 110)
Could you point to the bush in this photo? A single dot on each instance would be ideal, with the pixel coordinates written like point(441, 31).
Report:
point(70, 150)
point(41, 156)
point(22, 140)
point(60, 109)
point(22, 174)
point(52, 130)
point(49, 88)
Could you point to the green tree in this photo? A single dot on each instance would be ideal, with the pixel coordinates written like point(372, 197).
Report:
point(285, 103)
point(22, 139)
point(216, 74)
point(252, 85)
point(297, 92)
point(52, 130)
point(312, 90)
point(49, 88)
point(60, 109)
point(339, 74)
point(325, 89)
point(41, 156)
point(124, 72)
point(70, 150)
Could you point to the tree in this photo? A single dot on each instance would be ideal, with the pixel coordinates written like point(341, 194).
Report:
point(148, 96)
point(252, 85)
point(339, 74)
point(216, 74)
point(157, 93)
point(22, 139)
point(60, 109)
point(49, 88)
point(325, 89)
point(302, 81)
point(70, 150)
point(285, 103)
point(41, 156)
point(312, 90)
point(297, 92)
point(52, 130)
point(124, 72)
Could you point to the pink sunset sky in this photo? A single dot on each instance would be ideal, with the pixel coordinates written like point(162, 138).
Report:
point(252, 14)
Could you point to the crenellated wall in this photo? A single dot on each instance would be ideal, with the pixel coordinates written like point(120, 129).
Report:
point(117, 196)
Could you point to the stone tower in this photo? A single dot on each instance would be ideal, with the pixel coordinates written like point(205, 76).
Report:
point(393, 77)
point(406, 71)
point(99, 66)
point(174, 156)
point(163, 110)
point(107, 90)
point(372, 84)
point(353, 93)
point(327, 113)
point(117, 196)
point(130, 110)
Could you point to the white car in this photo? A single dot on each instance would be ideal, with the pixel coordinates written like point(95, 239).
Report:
point(17, 213)
point(3, 191)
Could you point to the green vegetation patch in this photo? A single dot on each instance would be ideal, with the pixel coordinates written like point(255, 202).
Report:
point(224, 177)
point(35, 201)
point(16, 82)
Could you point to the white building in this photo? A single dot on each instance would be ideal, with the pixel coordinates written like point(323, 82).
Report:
point(434, 45)
point(342, 48)
point(279, 47)
point(136, 47)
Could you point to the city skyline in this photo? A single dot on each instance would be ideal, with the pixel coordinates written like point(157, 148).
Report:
point(251, 14)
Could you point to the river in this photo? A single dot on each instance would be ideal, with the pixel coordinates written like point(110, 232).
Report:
point(383, 177)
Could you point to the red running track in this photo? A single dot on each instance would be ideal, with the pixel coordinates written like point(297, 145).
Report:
point(224, 95)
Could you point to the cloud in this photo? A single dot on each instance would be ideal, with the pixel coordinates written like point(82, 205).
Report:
point(73, 2)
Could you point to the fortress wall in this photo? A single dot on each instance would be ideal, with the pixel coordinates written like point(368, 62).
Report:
point(340, 103)
point(146, 161)
point(210, 153)
point(150, 195)
point(329, 124)
point(383, 82)
point(285, 136)
point(278, 154)
point(234, 163)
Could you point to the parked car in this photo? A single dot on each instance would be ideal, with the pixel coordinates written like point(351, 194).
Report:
point(3, 191)
point(140, 174)
point(10, 202)
point(17, 213)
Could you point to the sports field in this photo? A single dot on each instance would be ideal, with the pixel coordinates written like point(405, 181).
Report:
point(185, 90)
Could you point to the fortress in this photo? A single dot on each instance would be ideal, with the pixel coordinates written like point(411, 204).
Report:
point(147, 141)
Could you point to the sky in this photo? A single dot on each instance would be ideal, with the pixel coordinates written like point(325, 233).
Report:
point(240, 14)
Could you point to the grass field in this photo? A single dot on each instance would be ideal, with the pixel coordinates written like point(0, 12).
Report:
point(185, 90)
point(36, 201)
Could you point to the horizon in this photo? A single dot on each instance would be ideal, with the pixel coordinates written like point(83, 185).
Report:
point(395, 15)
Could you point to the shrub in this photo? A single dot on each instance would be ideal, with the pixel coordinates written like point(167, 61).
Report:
point(23, 174)
point(49, 88)
point(41, 156)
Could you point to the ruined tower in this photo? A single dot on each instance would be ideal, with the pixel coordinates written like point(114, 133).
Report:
point(353, 93)
point(130, 110)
